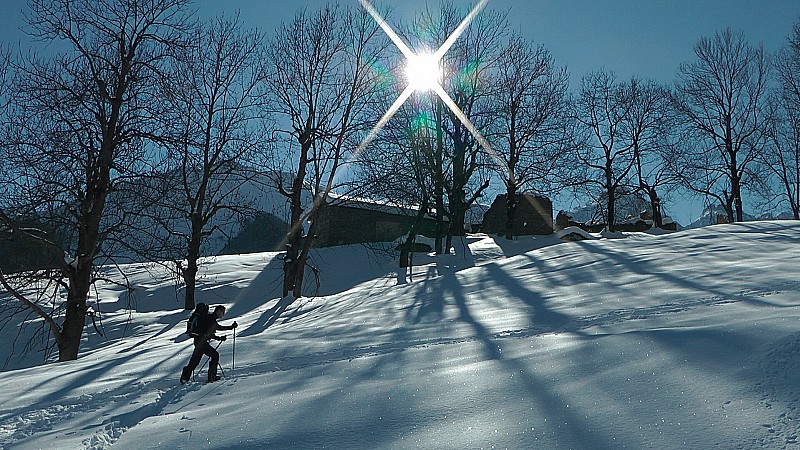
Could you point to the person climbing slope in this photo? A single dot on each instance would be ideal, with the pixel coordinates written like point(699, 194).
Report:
point(203, 327)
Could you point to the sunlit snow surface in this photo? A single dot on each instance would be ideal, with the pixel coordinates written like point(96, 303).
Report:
point(686, 340)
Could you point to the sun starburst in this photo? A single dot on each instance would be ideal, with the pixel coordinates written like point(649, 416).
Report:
point(423, 73)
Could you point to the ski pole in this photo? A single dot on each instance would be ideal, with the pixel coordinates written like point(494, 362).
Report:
point(233, 365)
point(207, 360)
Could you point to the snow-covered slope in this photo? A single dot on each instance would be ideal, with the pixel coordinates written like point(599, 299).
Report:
point(686, 340)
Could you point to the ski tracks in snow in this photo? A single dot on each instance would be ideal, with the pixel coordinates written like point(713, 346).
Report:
point(780, 361)
point(65, 417)
point(407, 341)
point(780, 364)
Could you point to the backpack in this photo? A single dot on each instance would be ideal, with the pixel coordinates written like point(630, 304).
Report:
point(197, 324)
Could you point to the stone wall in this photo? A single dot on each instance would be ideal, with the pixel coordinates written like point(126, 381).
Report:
point(534, 216)
point(22, 253)
point(350, 224)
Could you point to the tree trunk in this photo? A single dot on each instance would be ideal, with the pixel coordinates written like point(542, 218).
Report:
point(80, 274)
point(456, 225)
point(75, 316)
point(458, 208)
point(192, 257)
point(736, 194)
point(611, 212)
point(655, 206)
point(407, 247)
point(796, 201)
point(190, 280)
point(438, 189)
point(611, 204)
point(292, 266)
point(448, 244)
point(511, 210)
point(80, 271)
point(458, 195)
point(299, 275)
point(439, 194)
point(302, 257)
point(728, 205)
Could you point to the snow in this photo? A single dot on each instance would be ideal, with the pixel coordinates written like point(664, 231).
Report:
point(683, 340)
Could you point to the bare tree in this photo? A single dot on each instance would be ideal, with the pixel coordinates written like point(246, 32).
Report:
point(405, 165)
point(722, 100)
point(81, 120)
point(783, 153)
point(531, 132)
point(5, 98)
point(467, 69)
point(215, 111)
point(400, 169)
point(5, 82)
point(647, 127)
point(321, 84)
point(473, 56)
point(794, 38)
point(602, 108)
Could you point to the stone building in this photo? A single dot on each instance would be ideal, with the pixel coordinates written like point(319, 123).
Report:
point(534, 216)
point(352, 221)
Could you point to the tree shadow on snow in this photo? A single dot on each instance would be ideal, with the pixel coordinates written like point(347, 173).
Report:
point(277, 312)
point(428, 303)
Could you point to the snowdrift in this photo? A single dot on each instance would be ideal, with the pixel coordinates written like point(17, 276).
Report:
point(686, 340)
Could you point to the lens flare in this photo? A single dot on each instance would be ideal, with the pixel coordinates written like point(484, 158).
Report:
point(424, 73)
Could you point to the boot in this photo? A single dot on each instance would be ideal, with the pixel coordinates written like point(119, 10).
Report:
point(214, 378)
point(186, 375)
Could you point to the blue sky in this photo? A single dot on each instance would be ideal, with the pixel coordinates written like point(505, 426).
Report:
point(645, 38)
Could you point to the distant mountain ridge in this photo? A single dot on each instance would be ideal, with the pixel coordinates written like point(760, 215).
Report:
point(629, 209)
point(709, 216)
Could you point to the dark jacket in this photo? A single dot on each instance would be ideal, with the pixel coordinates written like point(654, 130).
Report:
point(211, 327)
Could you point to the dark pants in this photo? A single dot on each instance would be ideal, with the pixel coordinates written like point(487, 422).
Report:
point(202, 347)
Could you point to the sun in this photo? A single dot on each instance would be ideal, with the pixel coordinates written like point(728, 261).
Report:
point(423, 71)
